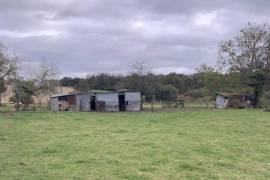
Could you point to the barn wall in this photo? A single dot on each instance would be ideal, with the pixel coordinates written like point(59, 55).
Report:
point(133, 101)
point(83, 102)
point(236, 101)
point(107, 102)
point(73, 106)
point(54, 104)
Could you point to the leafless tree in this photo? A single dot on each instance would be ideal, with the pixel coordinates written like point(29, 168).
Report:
point(139, 71)
point(45, 79)
point(43, 82)
point(141, 68)
point(8, 67)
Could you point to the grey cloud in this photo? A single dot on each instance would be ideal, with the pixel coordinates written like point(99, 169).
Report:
point(90, 36)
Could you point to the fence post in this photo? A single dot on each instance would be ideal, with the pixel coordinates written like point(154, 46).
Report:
point(17, 101)
point(170, 102)
point(152, 103)
point(39, 103)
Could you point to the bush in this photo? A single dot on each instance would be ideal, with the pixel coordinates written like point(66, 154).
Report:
point(167, 92)
point(196, 93)
point(265, 100)
point(24, 99)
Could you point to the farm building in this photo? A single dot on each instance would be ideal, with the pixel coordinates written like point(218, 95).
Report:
point(97, 101)
point(234, 101)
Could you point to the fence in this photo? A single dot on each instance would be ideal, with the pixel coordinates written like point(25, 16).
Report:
point(169, 103)
point(162, 102)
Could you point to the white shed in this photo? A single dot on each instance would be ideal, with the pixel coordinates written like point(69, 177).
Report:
point(221, 102)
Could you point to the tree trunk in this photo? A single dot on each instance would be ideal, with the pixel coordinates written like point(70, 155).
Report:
point(257, 94)
point(17, 102)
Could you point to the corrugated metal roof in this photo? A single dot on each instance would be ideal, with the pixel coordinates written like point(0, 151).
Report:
point(231, 94)
point(69, 94)
point(92, 92)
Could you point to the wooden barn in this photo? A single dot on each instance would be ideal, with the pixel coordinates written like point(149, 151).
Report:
point(97, 101)
point(224, 101)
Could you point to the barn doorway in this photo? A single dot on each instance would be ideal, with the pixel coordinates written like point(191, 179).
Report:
point(63, 103)
point(122, 102)
point(93, 103)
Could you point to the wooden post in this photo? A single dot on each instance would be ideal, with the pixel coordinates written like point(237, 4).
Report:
point(17, 101)
point(60, 86)
point(170, 102)
point(141, 101)
point(152, 103)
point(39, 103)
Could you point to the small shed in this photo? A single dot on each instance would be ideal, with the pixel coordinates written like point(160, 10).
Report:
point(234, 101)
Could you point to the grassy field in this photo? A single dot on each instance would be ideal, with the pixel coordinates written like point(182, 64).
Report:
point(205, 144)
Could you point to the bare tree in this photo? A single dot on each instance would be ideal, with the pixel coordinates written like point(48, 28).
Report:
point(43, 82)
point(137, 77)
point(45, 79)
point(8, 67)
point(141, 68)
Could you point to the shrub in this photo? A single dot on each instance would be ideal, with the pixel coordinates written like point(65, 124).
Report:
point(196, 93)
point(265, 100)
point(167, 92)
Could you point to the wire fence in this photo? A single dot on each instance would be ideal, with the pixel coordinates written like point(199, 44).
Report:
point(171, 103)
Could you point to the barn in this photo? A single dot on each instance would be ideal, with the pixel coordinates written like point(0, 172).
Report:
point(226, 100)
point(111, 101)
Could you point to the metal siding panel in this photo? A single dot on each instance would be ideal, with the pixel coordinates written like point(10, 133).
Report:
point(107, 97)
point(133, 100)
point(84, 102)
point(54, 104)
point(220, 102)
point(110, 100)
point(133, 106)
point(133, 96)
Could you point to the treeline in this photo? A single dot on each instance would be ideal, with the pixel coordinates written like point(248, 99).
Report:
point(149, 84)
point(205, 83)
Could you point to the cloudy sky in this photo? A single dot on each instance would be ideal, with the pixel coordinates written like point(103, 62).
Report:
point(90, 36)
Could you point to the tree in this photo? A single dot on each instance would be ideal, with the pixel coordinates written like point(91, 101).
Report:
point(42, 83)
point(177, 80)
point(212, 80)
point(8, 67)
point(248, 54)
point(265, 100)
point(2, 90)
point(167, 92)
point(137, 78)
point(24, 91)
point(44, 80)
point(248, 51)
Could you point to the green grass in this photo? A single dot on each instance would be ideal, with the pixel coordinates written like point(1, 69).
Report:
point(206, 144)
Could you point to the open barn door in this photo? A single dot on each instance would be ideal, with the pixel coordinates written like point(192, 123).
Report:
point(122, 102)
point(93, 103)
